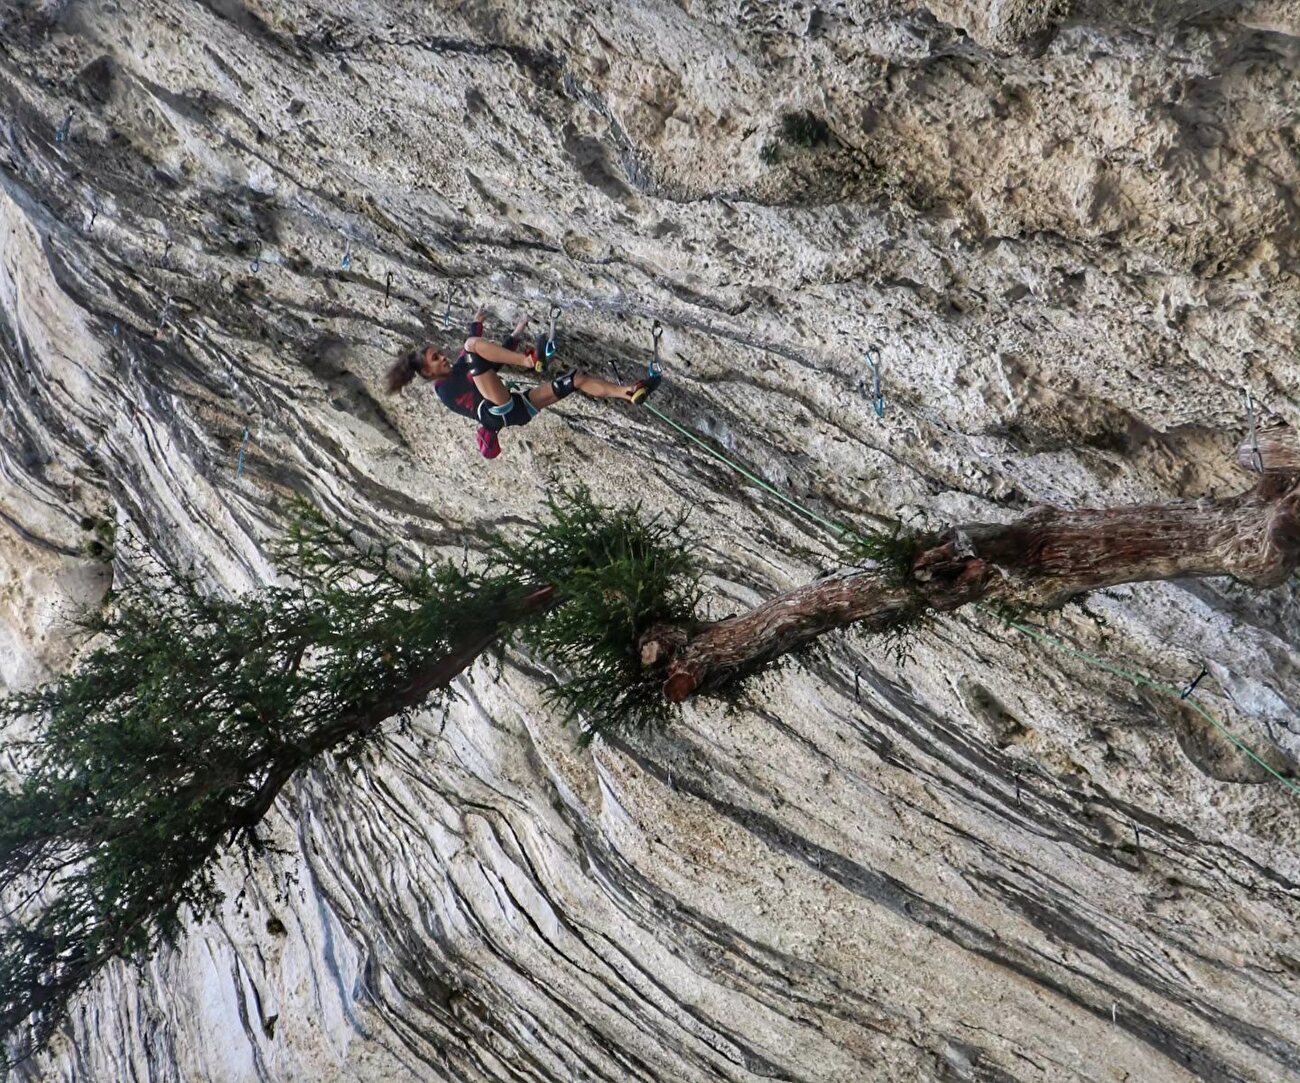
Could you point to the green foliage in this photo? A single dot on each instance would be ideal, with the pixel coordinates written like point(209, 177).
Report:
point(805, 129)
point(189, 711)
point(895, 552)
point(172, 736)
point(617, 573)
point(899, 636)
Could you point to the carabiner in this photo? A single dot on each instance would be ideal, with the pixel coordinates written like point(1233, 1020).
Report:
point(877, 399)
point(555, 313)
point(656, 333)
point(446, 315)
point(1254, 434)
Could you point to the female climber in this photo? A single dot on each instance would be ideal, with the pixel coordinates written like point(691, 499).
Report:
point(472, 387)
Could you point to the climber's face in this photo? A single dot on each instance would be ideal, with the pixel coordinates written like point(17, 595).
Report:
point(434, 366)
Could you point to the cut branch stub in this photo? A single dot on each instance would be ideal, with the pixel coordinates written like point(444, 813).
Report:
point(660, 643)
point(1273, 450)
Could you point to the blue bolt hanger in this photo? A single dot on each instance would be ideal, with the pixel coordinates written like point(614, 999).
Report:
point(239, 469)
point(554, 315)
point(873, 363)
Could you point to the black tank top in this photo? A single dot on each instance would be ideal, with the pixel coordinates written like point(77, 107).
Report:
point(457, 391)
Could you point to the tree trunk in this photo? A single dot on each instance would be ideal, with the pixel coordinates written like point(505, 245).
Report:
point(437, 674)
point(1041, 560)
point(1278, 450)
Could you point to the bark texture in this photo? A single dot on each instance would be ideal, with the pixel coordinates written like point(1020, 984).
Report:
point(1040, 560)
point(1270, 450)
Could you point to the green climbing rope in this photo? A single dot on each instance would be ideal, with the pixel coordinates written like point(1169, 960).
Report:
point(1139, 680)
point(840, 531)
point(837, 529)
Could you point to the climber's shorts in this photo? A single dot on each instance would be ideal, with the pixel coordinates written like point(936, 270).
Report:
point(518, 411)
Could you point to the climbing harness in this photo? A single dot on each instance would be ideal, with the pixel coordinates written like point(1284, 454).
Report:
point(873, 363)
point(1256, 457)
point(61, 132)
point(554, 315)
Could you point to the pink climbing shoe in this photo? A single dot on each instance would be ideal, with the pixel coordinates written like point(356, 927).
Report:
point(488, 444)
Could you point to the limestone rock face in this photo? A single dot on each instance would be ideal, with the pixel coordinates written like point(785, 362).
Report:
point(1000, 23)
point(1071, 231)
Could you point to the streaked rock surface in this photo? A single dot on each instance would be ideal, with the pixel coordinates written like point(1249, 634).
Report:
point(1073, 235)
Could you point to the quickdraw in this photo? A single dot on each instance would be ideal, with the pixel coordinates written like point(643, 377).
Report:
point(554, 315)
point(446, 315)
point(239, 469)
point(1192, 687)
point(1256, 457)
point(656, 333)
point(877, 398)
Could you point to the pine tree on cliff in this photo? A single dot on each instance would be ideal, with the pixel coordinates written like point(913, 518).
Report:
point(171, 739)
